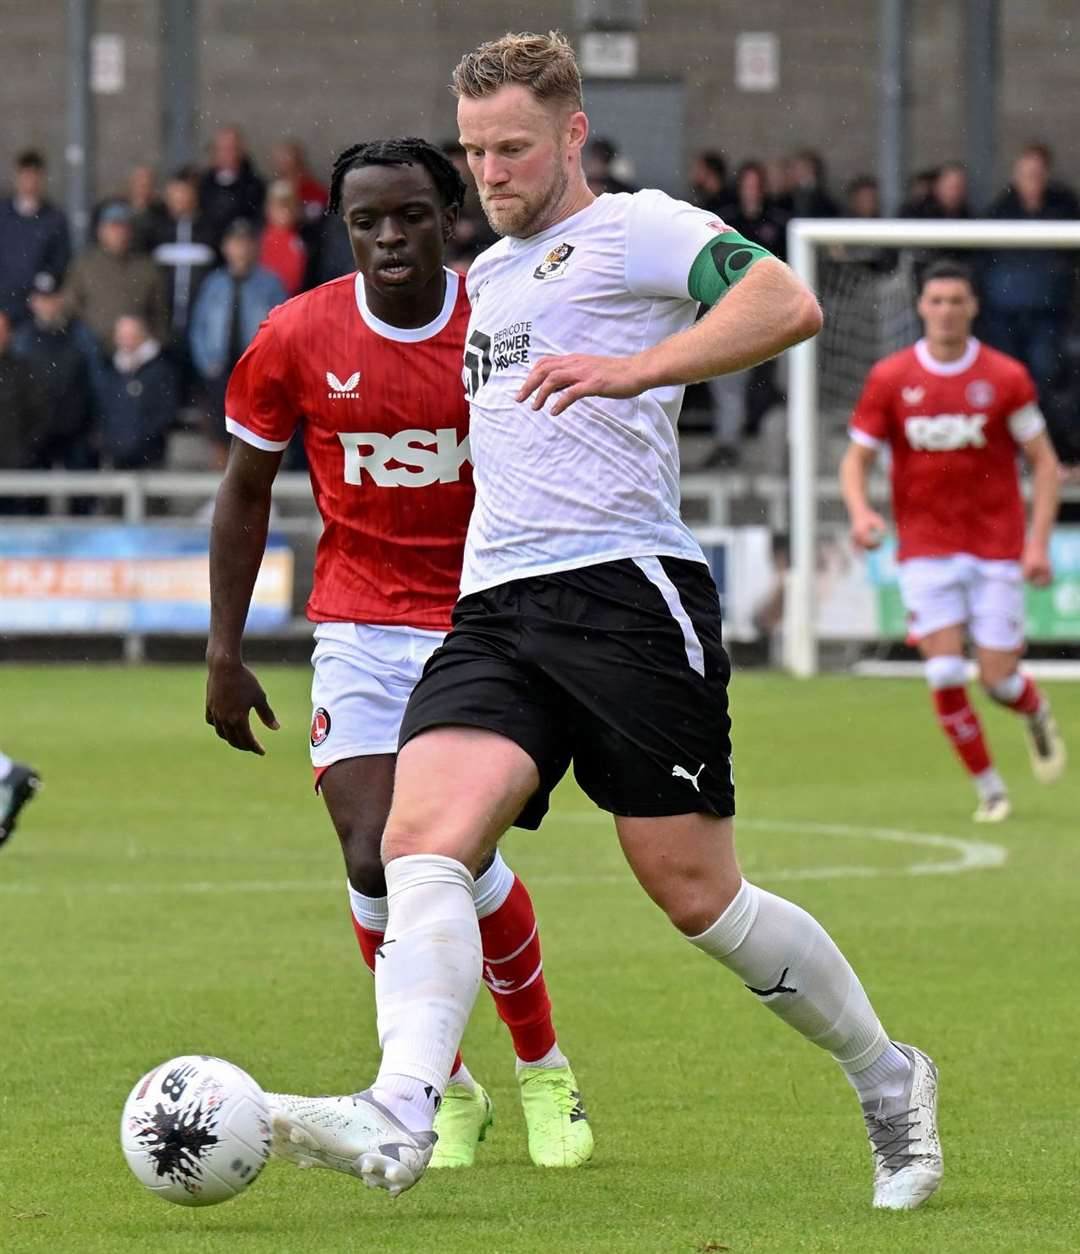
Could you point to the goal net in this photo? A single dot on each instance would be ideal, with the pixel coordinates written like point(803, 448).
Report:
point(840, 603)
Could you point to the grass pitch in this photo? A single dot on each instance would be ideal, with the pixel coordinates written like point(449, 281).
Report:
point(165, 895)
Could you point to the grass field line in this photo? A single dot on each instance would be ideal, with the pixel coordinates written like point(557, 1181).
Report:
point(968, 855)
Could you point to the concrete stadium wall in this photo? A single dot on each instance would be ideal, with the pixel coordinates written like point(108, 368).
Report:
point(333, 71)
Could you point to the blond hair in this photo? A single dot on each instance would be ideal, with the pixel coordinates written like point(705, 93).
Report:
point(545, 64)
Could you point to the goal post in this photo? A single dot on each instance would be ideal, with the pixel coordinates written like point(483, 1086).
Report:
point(806, 237)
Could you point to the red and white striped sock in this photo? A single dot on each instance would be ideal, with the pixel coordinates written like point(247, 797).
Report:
point(513, 965)
point(1017, 692)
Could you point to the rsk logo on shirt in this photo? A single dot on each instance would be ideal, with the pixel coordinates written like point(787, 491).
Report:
point(342, 391)
point(418, 465)
point(944, 433)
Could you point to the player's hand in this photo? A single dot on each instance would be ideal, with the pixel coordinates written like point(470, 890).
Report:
point(579, 375)
point(232, 692)
point(868, 530)
point(1036, 565)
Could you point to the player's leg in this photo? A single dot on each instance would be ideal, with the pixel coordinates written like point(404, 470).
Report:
point(18, 784)
point(997, 628)
point(655, 751)
point(687, 865)
point(936, 597)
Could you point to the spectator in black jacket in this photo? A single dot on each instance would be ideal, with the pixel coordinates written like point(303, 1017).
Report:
point(22, 414)
point(33, 236)
point(230, 188)
point(138, 398)
point(1027, 292)
point(62, 355)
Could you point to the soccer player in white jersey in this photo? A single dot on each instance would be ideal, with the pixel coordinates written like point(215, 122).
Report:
point(588, 628)
point(954, 414)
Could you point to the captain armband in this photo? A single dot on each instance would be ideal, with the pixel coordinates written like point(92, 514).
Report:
point(721, 264)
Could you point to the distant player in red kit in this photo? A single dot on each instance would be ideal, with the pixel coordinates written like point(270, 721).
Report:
point(954, 414)
point(370, 365)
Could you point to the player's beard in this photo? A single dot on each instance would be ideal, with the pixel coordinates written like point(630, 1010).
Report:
point(524, 217)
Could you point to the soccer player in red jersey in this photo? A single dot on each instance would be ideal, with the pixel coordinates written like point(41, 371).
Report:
point(954, 413)
point(370, 364)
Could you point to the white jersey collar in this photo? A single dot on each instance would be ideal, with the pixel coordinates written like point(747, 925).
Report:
point(932, 366)
point(409, 335)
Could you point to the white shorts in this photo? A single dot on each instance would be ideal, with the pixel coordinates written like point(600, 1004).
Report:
point(948, 591)
point(363, 678)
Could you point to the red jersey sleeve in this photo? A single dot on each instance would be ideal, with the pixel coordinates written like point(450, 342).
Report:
point(870, 420)
point(260, 407)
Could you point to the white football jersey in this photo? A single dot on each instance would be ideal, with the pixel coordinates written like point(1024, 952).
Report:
point(600, 481)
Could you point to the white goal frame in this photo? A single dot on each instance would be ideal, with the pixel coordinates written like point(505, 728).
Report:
point(804, 236)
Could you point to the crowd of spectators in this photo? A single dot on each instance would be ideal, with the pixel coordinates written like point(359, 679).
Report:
point(102, 355)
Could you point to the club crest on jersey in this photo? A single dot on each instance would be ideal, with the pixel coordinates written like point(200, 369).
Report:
point(554, 264)
point(320, 726)
point(979, 392)
point(913, 396)
point(343, 391)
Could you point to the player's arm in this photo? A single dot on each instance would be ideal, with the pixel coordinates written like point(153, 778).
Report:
point(237, 543)
point(867, 525)
point(1046, 474)
point(759, 307)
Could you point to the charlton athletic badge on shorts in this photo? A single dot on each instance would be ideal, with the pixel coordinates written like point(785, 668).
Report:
point(320, 726)
point(554, 264)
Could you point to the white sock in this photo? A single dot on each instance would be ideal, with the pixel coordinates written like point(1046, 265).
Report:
point(425, 982)
point(369, 912)
point(492, 887)
point(788, 959)
point(552, 1059)
point(5, 766)
point(463, 1077)
point(886, 1077)
point(989, 784)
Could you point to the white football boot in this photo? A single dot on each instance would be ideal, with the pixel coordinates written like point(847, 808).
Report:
point(904, 1138)
point(993, 809)
point(354, 1134)
point(1046, 748)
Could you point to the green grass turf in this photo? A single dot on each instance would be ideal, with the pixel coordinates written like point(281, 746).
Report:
point(123, 942)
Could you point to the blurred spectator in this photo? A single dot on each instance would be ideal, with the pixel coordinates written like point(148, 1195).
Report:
point(289, 162)
point(1026, 292)
point(740, 400)
point(862, 200)
point(281, 249)
point(33, 236)
point(112, 279)
point(63, 356)
point(709, 188)
point(808, 193)
point(22, 414)
point(183, 249)
point(149, 213)
point(230, 188)
point(472, 231)
point(138, 398)
point(777, 182)
point(232, 302)
point(601, 161)
point(919, 190)
point(329, 252)
point(947, 197)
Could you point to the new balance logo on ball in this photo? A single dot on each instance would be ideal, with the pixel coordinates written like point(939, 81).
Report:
point(405, 459)
point(945, 432)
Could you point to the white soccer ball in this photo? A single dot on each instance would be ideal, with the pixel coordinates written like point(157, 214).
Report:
point(196, 1130)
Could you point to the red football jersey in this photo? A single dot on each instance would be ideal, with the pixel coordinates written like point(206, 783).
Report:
point(953, 429)
point(385, 425)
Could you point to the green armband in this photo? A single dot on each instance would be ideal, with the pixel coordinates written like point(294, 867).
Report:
point(721, 264)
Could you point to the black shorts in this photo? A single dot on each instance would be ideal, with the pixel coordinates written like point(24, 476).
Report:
point(618, 667)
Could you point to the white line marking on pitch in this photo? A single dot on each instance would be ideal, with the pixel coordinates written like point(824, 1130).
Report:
point(969, 855)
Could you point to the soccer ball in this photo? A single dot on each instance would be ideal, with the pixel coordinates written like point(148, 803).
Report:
point(196, 1130)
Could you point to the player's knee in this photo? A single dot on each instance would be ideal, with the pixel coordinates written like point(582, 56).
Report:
point(949, 671)
point(694, 899)
point(1003, 688)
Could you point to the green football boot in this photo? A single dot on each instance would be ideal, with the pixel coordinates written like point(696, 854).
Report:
point(559, 1132)
point(462, 1123)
